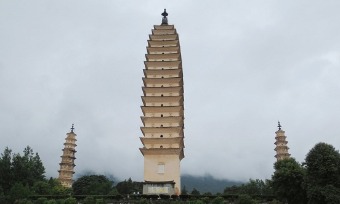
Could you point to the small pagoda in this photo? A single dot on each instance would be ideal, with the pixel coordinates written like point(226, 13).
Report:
point(281, 144)
point(67, 159)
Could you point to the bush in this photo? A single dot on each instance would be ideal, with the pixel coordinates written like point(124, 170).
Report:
point(70, 200)
point(205, 200)
point(245, 199)
point(19, 191)
point(89, 200)
point(23, 201)
point(100, 201)
point(218, 200)
point(41, 201)
point(51, 202)
point(143, 201)
point(199, 202)
point(60, 201)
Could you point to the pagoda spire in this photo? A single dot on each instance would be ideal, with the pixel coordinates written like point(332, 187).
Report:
point(67, 159)
point(72, 128)
point(281, 144)
point(164, 19)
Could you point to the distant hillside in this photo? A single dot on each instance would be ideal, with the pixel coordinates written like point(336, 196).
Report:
point(203, 184)
point(206, 183)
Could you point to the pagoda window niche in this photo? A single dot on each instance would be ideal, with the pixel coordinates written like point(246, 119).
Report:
point(161, 168)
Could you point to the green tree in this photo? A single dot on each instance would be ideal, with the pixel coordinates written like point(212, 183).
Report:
point(253, 187)
point(100, 201)
point(41, 200)
point(207, 194)
point(27, 168)
point(195, 192)
point(70, 200)
point(287, 181)
point(92, 185)
point(57, 189)
point(89, 200)
point(232, 190)
point(5, 170)
point(218, 200)
point(203, 200)
point(14, 168)
point(198, 202)
point(184, 191)
point(245, 199)
point(19, 191)
point(41, 188)
point(323, 174)
point(3, 198)
point(128, 187)
point(51, 202)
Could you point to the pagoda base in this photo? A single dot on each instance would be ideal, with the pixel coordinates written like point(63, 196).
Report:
point(159, 188)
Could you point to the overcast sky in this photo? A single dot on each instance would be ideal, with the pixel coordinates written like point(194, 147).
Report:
point(246, 64)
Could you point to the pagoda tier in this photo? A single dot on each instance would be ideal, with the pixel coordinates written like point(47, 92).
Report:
point(174, 142)
point(163, 50)
point(162, 100)
point(67, 160)
point(163, 82)
point(158, 73)
point(163, 37)
point(162, 65)
point(163, 151)
point(163, 112)
point(173, 121)
point(163, 57)
point(163, 91)
point(173, 43)
point(166, 130)
point(158, 111)
point(281, 145)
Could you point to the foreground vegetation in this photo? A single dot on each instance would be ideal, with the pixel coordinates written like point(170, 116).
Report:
point(316, 181)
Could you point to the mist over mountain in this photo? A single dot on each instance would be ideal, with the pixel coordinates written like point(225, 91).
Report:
point(206, 183)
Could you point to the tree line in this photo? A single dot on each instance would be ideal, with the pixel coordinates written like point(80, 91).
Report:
point(315, 181)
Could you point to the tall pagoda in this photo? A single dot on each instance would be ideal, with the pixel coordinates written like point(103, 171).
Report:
point(163, 111)
point(281, 144)
point(67, 159)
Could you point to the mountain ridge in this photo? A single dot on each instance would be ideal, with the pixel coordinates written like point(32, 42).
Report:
point(206, 183)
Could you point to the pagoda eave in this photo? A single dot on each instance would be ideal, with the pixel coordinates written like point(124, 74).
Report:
point(170, 82)
point(171, 119)
point(160, 99)
point(162, 65)
point(163, 151)
point(163, 31)
point(164, 27)
point(161, 109)
point(163, 90)
point(178, 130)
point(150, 72)
point(163, 140)
point(161, 50)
